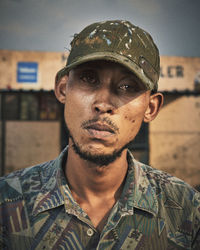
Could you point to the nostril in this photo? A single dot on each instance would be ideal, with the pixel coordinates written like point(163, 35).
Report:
point(109, 111)
point(102, 108)
point(97, 109)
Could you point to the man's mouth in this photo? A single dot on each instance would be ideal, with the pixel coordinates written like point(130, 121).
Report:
point(99, 130)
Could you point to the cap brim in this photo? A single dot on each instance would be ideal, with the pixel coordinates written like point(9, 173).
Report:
point(109, 56)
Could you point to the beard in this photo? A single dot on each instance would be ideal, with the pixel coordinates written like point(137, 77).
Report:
point(97, 159)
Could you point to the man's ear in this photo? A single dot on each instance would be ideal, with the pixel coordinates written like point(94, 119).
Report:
point(60, 88)
point(155, 104)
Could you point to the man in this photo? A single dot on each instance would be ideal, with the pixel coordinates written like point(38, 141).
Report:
point(95, 195)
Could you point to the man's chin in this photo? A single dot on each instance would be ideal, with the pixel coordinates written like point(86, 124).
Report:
point(99, 159)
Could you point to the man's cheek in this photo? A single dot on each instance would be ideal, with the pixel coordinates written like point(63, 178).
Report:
point(129, 116)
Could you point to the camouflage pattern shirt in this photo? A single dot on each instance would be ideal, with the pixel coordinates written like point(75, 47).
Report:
point(155, 211)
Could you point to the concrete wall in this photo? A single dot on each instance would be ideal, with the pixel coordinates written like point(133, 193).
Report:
point(48, 65)
point(31, 142)
point(179, 73)
point(175, 138)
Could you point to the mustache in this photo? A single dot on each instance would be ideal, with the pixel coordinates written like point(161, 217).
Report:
point(104, 120)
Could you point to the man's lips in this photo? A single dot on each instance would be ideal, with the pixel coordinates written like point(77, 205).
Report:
point(100, 127)
point(99, 130)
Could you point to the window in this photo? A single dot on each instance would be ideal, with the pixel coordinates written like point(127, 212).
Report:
point(30, 106)
point(10, 107)
point(49, 109)
point(140, 145)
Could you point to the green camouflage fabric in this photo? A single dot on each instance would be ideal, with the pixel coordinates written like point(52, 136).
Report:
point(118, 41)
point(156, 211)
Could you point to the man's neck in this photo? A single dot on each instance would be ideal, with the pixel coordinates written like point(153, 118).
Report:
point(87, 180)
point(96, 188)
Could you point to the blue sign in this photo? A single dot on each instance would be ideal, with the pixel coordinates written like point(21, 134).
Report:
point(27, 72)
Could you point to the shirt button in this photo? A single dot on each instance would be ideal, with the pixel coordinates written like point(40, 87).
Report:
point(90, 232)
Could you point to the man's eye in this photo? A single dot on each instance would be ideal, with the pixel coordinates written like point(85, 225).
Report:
point(129, 88)
point(88, 77)
point(124, 87)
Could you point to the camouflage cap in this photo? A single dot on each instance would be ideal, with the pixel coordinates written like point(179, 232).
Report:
point(118, 41)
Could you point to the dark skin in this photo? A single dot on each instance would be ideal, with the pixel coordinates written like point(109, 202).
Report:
point(105, 105)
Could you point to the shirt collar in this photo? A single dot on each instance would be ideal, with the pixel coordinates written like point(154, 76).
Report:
point(137, 192)
point(51, 176)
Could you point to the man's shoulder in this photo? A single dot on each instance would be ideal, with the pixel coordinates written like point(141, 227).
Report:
point(157, 176)
point(170, 188)
point(28, 180)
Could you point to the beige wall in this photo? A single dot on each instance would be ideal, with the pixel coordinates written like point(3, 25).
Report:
point(48, 64)
point(30, 143)
point(175, 138)
point(179, 73)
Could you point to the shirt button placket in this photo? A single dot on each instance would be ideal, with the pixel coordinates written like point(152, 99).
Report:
point(90, 232)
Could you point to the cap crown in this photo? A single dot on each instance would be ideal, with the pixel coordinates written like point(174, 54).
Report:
point(118, 41)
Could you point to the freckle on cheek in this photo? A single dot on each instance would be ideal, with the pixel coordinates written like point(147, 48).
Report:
point(129, 119)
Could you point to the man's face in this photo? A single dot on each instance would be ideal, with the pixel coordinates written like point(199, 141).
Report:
point(104, 107)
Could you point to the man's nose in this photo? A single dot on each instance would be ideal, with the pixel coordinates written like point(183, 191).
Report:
point(103, 101)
